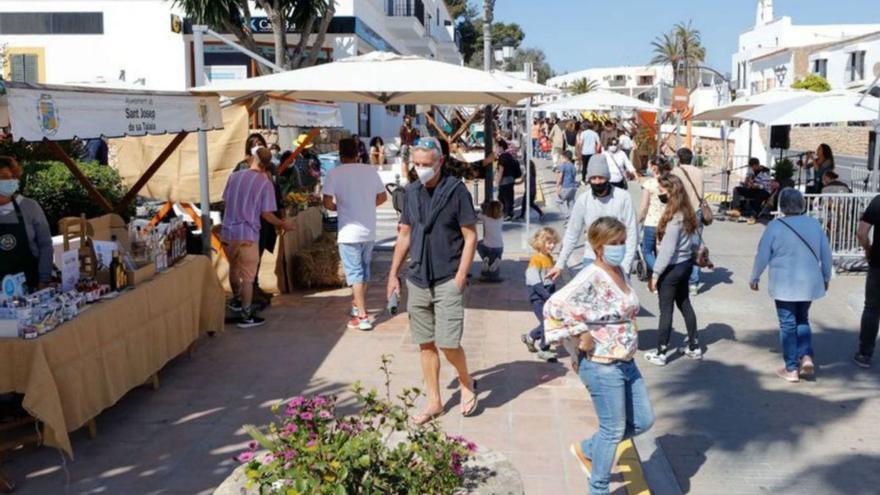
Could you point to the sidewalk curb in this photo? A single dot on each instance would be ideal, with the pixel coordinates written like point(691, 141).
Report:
point(655, 466)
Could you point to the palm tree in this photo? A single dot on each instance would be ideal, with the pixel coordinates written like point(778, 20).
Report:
point(693, 52)
point(667, 51)
point(683, 49)
point(583, 85)
point(234, 16)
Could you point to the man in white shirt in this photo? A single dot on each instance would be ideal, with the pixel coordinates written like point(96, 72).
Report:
point(619, 166)
point(601, 200)
point(354, 190)
point(587, 145)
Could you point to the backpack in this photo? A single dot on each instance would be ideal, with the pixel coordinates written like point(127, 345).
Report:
point(398, 196)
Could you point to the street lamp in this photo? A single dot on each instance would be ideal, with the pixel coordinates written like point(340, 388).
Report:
point(780, 71)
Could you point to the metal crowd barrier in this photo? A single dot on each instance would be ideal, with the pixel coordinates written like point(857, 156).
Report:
point(840, 214)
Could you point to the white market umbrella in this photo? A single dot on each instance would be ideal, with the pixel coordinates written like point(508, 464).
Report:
point(732, 109)
point(384, 78)
point(599, 99)
point(816, 108)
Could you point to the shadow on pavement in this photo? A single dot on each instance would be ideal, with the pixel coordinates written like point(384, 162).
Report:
point(692, 446)
point(718, 276)
point(854, 474)
point(503, 383)
point(729, 405)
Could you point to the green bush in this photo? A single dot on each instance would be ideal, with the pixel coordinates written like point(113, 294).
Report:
point(813, 82)
point(60, 195)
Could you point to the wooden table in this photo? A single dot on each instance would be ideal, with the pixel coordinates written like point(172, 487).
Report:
point(86, 365)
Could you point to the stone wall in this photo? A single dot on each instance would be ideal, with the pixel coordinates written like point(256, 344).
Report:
point(843, 140)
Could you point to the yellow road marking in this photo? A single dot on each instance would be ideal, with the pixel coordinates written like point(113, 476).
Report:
point(629, 465)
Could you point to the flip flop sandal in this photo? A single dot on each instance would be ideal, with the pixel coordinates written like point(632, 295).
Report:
point(474, 402)
point(425, 418)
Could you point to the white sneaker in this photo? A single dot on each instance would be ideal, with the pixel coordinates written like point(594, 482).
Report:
point(354, 312)
point(656, 357)
point(693, 354)
point(364, 324)
point(493, 268)
point(694, 290)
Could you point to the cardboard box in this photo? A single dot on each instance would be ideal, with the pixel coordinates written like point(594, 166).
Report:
point(105, 227)
point(142, 274)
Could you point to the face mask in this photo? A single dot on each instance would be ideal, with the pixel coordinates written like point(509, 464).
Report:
point(8, 187)
point(613, 148)
point(255, 149)
point(425, 174)
point(664, 198)
point(599, 189)
point(613, 255)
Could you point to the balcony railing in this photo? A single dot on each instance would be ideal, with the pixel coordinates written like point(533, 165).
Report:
point(406, 8)
point(617, 83)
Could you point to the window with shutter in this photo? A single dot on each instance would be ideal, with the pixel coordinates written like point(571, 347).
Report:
point(24, 68)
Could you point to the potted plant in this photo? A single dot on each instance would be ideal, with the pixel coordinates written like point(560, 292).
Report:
point(783, 172)
point(311, 448)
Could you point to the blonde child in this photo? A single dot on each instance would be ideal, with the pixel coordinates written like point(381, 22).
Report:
point(492, 246)
point(541, 287)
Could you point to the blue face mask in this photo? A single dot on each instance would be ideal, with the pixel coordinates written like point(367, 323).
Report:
point(8, 187)
point(613, 255)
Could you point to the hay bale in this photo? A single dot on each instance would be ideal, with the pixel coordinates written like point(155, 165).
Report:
point(318, 266)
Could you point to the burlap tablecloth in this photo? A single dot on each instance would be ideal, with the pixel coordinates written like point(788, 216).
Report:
point(87, 364)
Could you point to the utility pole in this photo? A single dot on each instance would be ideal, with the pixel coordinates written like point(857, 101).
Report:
point(488, 131)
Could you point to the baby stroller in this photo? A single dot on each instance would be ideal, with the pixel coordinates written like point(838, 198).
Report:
point(640, 266)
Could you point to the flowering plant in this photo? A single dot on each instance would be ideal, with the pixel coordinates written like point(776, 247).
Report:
point(312, 449)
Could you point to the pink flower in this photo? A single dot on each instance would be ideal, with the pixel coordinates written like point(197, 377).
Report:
point(252, 445)
point(289, 455)
point(306, 416)
point(290, 429)
point(245, 457)
point(325, 415)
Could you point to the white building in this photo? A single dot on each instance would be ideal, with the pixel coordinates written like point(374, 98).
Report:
point(776, 51)
point(635, 81)
point(149, 42)
point(849, 64)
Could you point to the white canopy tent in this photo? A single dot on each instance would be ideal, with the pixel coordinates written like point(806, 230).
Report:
point(295, 113)
point(599, 99)
point(730, 111)
point(51, 113)
point(816, 108)
point(384, 78)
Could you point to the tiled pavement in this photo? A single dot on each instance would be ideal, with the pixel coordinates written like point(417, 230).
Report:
point(726, 424)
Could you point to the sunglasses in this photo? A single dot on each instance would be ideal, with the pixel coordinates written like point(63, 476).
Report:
point(426, 144)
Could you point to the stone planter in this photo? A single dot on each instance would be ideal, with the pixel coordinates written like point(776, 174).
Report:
point(488, 473)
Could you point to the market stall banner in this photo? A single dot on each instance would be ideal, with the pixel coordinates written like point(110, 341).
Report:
point(178, 179)
point(36, 113)
point(296, 113)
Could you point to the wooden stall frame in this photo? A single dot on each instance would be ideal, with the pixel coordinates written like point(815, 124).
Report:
point(130, 195)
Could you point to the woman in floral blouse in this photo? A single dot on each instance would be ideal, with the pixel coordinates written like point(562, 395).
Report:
point(594, 318)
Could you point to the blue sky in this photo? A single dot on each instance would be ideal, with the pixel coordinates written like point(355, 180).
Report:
point(577, 34)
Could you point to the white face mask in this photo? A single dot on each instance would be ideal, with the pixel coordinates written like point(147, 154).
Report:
point(613, 148)
point(425, 174)
point(255, 149)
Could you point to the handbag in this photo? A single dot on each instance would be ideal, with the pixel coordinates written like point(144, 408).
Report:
point(705, 209)
point(701, 254)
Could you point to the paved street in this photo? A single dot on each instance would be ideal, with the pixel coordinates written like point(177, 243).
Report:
point(726, 424)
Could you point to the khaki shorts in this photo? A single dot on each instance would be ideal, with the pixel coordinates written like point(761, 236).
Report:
point(436, 315)
point(244, 260)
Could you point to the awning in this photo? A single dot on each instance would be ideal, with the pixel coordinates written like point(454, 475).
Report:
point(58, 113)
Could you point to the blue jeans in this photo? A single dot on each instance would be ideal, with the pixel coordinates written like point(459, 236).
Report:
point(794, 331)
point(623, 408)
point(649, 245)
point(356, 258)
point(695, 243)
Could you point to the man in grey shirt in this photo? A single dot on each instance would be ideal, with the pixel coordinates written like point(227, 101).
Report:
point(602, 200)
